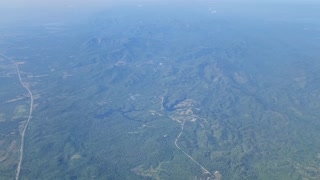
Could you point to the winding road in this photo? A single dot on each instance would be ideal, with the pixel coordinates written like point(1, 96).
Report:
point(29, 117)
point(176, 143)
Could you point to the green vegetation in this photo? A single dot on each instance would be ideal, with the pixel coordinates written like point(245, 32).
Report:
point(111, 93)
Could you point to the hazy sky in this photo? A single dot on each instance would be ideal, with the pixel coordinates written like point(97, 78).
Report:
point(92, 3)
point(67, 3)
point(50, 3)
